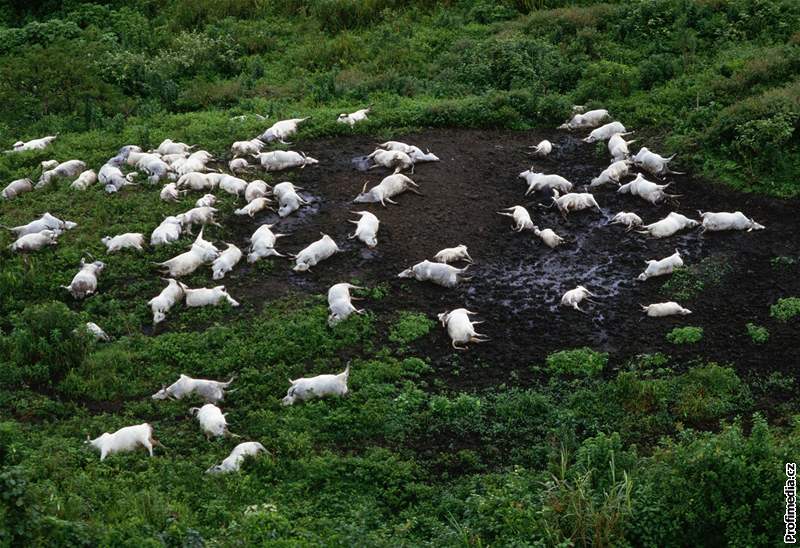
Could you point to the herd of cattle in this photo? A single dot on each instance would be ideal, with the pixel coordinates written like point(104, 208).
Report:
point(184, 169)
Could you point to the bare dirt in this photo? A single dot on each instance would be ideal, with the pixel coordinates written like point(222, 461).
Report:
point(517, 282)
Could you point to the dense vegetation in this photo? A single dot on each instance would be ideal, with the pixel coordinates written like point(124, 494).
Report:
point(654, 452)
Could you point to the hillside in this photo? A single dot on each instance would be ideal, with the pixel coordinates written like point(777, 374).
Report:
point(600, 426)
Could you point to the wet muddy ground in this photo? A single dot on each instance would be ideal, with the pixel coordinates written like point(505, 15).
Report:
point(517, 282)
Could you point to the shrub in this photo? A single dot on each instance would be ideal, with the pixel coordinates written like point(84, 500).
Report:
point(785, 309)
point(47, 342)
point(685, 335)
point(757, 333)
point(579, 361)
point(709, 393)
point(409, 326)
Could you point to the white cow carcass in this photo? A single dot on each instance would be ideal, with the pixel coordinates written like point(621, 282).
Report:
point(84, 283)
point(460, 328)
point(660, 310)
point(388, 188)
point(320, 386)
point(438, 273)
point(314, 253)
point(208, 390)
point(366, 228)
point(164, 301)
point(233, 462)
point(661, 267)
point(737, 220)
point(124, 440)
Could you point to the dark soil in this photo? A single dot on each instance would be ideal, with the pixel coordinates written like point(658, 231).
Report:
point(517, 282)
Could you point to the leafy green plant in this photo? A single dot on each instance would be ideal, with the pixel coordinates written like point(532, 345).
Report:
point(409, 327)
point(758, 334)
point(785, 309)
point(685, 335)
point(579, 361)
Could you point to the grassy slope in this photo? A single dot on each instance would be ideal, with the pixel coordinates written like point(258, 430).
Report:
point(403, 459)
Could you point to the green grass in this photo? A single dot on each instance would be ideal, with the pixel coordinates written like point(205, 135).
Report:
point(685, 335)
point(757, 333)
point(409, 327)
point(785, 309)
point(579, 361)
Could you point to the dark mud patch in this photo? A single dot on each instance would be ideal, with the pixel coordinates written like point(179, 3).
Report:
point(517, 282)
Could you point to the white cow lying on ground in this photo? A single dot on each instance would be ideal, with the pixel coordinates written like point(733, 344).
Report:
point(574, 201)
point(33, 144)
point(282, 130)
point(340, 303)
point(630, 220)
point(438, 273)
point(592, 118)
point(35, 241)
point(262, 244)
point(70, 168)
point(205, 296)
point(728, 221)
point(247, 148)
point(661, 267)
point(460, 328)
point(45, 222)
point(522, 219)
point(612, 174)
point(200, 253)
point(647, 190)
point(97, 332)
point(124, 440)
point(256, 206)
point(618, 147)
point(17, 187)
point(549, 237)
point(207, 200)
point(604, 133)
point(314, 253)
point(388, 188)
point(354, 117)
point(289, 200)
point(278, 160)
point(654, 163)
point(317, 387)
point(85, 281)
point(186, 386)
point(84, 180)
point(366, 228)
point(129, 240)
point(659, 310)
point(669, 225)
point(391, 159)
point(167, 232)
point(543, 149)
point(541, 181)
point(212, 420)
point(256, 189)
point(414, 152)
point(453, 254)
point(164, 301)
point(574, 297)
point(233, 462)
point(226, 261)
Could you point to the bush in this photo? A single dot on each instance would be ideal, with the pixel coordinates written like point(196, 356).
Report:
point(685, 335)
point(785, 309)
point(47, 342)
point(579, 361)
point(757, 333)
point(409, 327)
